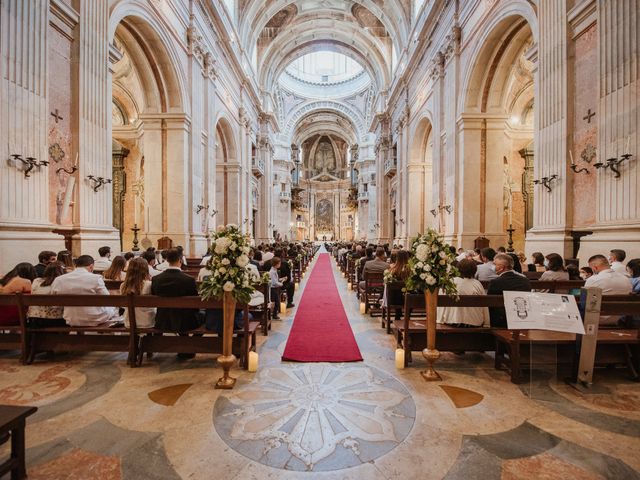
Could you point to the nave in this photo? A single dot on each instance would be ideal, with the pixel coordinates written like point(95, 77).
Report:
point(98, 418)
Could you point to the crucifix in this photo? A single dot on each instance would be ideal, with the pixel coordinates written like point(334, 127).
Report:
point(589, 115)
point(56, 115)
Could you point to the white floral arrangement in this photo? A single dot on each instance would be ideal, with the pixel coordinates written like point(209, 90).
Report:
point(431, 265)
point(228, 265)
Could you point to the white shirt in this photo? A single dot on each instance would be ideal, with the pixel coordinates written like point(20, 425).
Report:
point(102, 264)
point(204, 272)
point(620, 267)
point(161, 267)
point(486, 272)
point(82, 282)
point(477, 316)
point(205, 260)
point(611, 283)
point(153, 272)
point(145, 316)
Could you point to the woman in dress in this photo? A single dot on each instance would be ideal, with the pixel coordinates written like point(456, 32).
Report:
point(17, 280)
point(399, 271)
point(466, 284)
point(555, 271)
point(116, 270)
point(46, 316)
point(138, 282)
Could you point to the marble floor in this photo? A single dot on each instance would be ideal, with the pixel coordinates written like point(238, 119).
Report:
point(99, 419)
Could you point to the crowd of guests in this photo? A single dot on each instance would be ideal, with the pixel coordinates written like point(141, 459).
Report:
point(501, 271)
point(152, 272)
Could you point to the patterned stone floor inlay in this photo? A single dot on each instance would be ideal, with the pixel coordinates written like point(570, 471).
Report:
point(168, 396)
point(316, 417)
point(462, 397)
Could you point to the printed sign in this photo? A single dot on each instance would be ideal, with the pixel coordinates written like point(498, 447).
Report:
point(543, 311)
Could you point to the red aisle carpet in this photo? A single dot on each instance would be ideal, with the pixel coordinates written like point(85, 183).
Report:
point(321, 330)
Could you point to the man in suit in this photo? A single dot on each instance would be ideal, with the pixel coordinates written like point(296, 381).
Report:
point(174, 283)
point(507, 280)
point(487, 271)
point(82, 281)
point(376, 266)
point(285, 272)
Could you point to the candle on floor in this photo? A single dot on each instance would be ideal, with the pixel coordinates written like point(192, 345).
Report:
point(362, 307)
point(283, 308)
point(399, 358)
point(349, 286)
point(297, 286)
point(253, 361)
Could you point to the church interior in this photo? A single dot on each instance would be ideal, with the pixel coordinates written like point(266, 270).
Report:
point(319, 188)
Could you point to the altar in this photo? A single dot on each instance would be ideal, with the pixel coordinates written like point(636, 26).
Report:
point(324, 236)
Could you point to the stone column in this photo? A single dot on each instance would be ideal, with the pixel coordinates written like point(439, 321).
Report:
point(25, 226)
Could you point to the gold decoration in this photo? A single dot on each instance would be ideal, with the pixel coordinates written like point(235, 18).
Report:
point(227, 359)
point(431, 353)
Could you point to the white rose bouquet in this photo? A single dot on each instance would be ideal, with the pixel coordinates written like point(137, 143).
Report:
point(431, 264)
point(228, 265)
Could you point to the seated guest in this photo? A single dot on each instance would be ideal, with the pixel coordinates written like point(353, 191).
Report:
point(66, 260)
point(516, 262)
point(555, 271)
point(104, 261)
point(285, 272)
point(487, 271)
point(633, 269)
point(17, 280)
point(585, 272)
point(138, 282)
point(205, 258)
point(616, 257)
point(127, 258)
point(82, 281)
point(538, 262)
point(173, 282)
point(574, 274)
point(275, 284)
point(44, 259)
point(522, 258)
point(150, 257)
point(369, 255)
point(400, 272)
point(183, 259)
point(611, 283)
point(466, 284)
point(376, 266)
point(203, 273)
point(116, 270)
point(163, 265)
point(507, 280)
point(46, 316)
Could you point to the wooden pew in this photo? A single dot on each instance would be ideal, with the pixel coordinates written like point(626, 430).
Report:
point(132, 340)
point(373, 291)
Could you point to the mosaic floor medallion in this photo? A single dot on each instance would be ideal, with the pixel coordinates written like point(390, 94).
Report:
point(316, 417)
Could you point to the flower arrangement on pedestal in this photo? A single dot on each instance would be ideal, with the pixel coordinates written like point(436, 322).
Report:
point(228, 265)
point(231, 282)
point(432, 270)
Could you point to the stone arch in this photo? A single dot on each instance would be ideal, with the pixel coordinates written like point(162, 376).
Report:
point(308, 107)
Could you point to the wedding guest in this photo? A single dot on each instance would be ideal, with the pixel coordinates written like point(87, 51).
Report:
point(275, 284)
point(44, 258)
point(285, 272)
point(611, 283)
point(585, 272)
point(487, 271)
point(66, 260)
point(376, 266)
point(574, 274)
point(616, 257)
point(82, 281)
point(538, 262)
point(507, 280)
point(173, 282)
point(163, 265)
point(116, 270)
point(466, 284)
point(138, 282)
point(150, 257)
point(516, 262)
point(633, 269)
point(183, 259)
point(128, 257)
point(522, 258)
point(554, 265)
point(46, 316)
point(399, 271)
point(104, 260)
point(17, 280)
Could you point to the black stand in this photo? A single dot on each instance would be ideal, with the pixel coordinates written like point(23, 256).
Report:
point(135, 231)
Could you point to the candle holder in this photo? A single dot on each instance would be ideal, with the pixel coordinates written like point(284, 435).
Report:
point(199, 208)
point(546, 181)
point(510, 230)
point(74, 168)
point(613, 164)
point(214, 213)
point(29, 162)
point(575, 169)
point(135, 231)
point(98, 182)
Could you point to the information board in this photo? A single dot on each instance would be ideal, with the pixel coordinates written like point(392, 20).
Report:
point(542, 311)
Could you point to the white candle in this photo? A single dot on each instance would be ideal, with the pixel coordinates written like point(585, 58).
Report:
point(571, 156)
point(362, 307)
point(76, 164)
point(253, 362)
point(626, 150)
point(399, 358)
point(283, 308)
point(349, 286)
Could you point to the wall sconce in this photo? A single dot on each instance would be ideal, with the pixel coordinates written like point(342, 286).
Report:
point(546, 181)
point(245, 221)
point(30, 163)
point(199, 208)
point(98, 182)
point(73, 170)
point(447, 208)
point(434, 212)
point(575, 169)
point(400, 221)
point(214, 213)
point(613, 164)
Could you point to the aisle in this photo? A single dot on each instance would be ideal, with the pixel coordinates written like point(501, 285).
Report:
point(321, 330)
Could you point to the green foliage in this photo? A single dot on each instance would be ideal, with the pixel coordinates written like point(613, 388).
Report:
point(431, 264)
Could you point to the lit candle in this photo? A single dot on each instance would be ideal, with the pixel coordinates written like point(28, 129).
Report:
point(399, 358)
point(349, 286)
point(76, 164)
point(283, 308)
point(362, 307)
point(253, 361)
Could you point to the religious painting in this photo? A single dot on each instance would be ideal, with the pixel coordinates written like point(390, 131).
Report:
point(324, 215)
